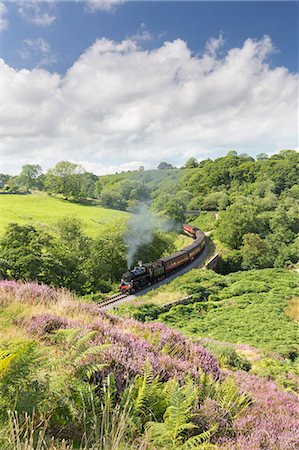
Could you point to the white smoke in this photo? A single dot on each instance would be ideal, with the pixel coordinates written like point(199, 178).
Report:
point(141, 228)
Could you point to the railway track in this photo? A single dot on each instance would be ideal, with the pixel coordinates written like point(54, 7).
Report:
point(113, 299)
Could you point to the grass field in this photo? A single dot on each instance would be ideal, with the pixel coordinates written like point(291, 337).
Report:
point(41, 209)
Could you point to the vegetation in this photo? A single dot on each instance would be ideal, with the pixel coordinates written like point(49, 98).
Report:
point(242, 308)
point(257, 200)
point(72, 376)
point(67, 257)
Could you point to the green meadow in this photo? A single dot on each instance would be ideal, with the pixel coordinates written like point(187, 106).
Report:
point(41, 209)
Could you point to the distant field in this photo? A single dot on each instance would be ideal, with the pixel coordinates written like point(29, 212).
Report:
point(45, 210)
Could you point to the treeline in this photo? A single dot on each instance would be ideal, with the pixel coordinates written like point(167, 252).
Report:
point(257, 199)
point(68, 258)
point(66, 178)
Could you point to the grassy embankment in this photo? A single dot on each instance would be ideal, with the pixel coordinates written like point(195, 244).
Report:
point(44, 210)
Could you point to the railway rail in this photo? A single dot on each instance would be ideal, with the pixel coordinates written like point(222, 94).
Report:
point(113, 299)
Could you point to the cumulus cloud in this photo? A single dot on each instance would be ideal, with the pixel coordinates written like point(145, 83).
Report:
point(37, 12)
point(3, 19)
point(119, 106)
point(102, 5)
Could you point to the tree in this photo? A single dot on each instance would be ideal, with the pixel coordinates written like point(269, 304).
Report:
point(88, 187)
point(28, 253)
point(111, 198)
point(30, 176)
point(255, 252)
point(64, 179)
point(4, 178)
point(164, 166)
point(191, 163)
point(169, 206)
point(73, 250)
point(261, 156)
point(238, 220)
point(107, 261)
point(232, 153)
point(216, 201)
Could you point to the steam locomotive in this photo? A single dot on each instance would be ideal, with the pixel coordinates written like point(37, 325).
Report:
point(146, 274)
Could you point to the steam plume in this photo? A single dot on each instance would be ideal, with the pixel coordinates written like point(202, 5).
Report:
point(141, 228)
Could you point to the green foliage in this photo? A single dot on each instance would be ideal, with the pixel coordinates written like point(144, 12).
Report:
point(228, 356)
point(205, 221)
point(191, 163)
point(71, 259)
point(31, 177)
point(230, 261)
point(20, 388)
point(164, 166)
point(255, 252)
point(243, 307)
point(144, 313)
point(64, 179)
point(168, 206)
point(177, 416)
point(235, 222)
point(27, 253)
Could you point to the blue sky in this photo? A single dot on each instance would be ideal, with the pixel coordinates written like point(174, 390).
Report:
point(136, 82)
point(74, 28)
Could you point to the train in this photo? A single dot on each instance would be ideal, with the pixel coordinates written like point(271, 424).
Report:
point(146, 274)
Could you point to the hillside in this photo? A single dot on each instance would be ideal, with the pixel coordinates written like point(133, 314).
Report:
point(44, 210)
point(89, 380)
point(244, 307)
point(252, 314)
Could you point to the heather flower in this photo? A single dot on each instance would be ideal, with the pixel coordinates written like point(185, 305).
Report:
point(271, 422)
point(27, 292)
point(44, 324)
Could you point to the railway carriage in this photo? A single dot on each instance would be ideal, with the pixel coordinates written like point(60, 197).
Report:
point(146, 274)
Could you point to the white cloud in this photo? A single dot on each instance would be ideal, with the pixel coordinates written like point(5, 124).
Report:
point(102, 5)
point(142, 34)
point(37, 12)
point(214, 44)
point(40, 50)
point(120, 107)
point(3, 19)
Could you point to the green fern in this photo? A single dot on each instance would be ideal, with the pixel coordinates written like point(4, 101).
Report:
point(201, 440)
point(77, 347)
point(6, 359)
point(142, 383)
point(228, 397)
point(177, 417)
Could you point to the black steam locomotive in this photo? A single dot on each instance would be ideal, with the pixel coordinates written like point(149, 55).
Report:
point(146, 274)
